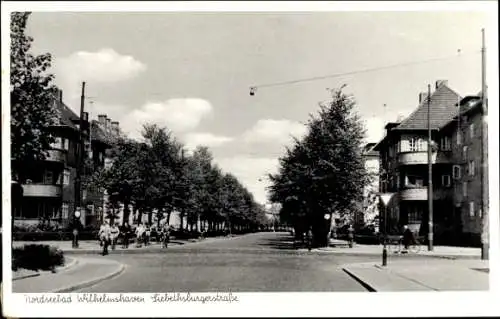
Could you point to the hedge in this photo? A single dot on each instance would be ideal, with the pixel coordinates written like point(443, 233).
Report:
point(37, 257)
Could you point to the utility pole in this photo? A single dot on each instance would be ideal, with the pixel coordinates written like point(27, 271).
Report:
point(484, 157)
point(78, 180)
point(80, 153)
point(430, 243)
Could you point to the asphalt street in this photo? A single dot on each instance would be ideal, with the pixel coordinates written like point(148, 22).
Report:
point(262, 262)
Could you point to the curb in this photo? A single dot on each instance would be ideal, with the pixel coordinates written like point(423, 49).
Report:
point(26, 276)
point(359, 254)
point(91, 282)
point(64, 268)
point(359, 280)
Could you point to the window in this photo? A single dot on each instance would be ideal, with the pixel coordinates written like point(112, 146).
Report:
point(472, 213)
point(66, 177)
point(413, 144)
point(414, 215)
point(464, 152)
point(413, 181)
point(464, 189)
point(445, 143)
point(446, 180)
point(66, 144)
point(459, 138)
point(48, 177)
point(456, 172)
point(421, 145)
point(472, 167)
point(65, 210)
point(57, 144)
point(471, 130)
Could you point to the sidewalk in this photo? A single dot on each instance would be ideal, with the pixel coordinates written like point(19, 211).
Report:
point(447, 252)
point(84, 272)
point(93, 247)
point(426, 275)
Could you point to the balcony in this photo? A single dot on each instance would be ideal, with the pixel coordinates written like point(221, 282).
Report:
point(420, 193)
point(40, 190)
point(420, 157)
point(56, 156)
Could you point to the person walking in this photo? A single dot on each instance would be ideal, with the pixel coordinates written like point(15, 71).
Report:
point(350, 236)
point(408, 238)
point(166, 235)
point(114, 233)
point(126, 234)
point(147, 235)
point(139, 232)
point(104, 235)
point(309, 239)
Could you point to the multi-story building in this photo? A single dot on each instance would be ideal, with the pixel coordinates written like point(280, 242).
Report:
point(404, 165)
point(48, 186)
point(370, 208)
point(465, 131)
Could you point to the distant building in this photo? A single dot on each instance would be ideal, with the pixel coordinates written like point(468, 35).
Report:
point(370, 211)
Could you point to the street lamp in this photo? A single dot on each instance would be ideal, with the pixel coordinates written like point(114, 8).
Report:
point(76, 221)
point(385, 197)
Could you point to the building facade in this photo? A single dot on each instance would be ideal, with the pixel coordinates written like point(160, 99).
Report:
point(48, 186)
point(404, 166)
point(465, 131)
point(370, 203)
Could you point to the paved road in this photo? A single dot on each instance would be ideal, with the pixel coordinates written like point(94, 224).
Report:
point(262, 262)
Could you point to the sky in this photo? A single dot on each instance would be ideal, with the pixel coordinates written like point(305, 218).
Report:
point(191, 71)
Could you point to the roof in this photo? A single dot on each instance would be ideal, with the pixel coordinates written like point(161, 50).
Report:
point(369, 151)
point(67, 116)
point(468, 105)
point(442, 109)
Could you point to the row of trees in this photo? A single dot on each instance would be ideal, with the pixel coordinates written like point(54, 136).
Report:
point(157, 175)
point(154, 175)
point(323, 173)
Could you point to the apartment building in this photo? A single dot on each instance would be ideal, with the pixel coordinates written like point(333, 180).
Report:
point(465, 132)
point(404, 165)
point(48, 186)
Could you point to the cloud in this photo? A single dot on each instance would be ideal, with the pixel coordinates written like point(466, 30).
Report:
point(105, 66)
point(192, 140)
point(275, 131)
point(178, 115)
point(251, 172)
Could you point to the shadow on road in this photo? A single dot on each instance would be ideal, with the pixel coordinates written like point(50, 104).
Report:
point(283, 242)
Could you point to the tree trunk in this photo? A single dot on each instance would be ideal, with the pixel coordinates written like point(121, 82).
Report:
point(126, 212)
point(139, 216)
point(168, 216)
point(150, 216)
point(182, 220)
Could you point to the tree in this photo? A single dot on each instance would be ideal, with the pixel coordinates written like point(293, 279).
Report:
point(31, 97)
point(324, 172)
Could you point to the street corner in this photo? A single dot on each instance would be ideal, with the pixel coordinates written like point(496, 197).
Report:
point(108, 269)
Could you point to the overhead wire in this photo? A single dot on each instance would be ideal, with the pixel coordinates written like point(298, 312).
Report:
point(459, 54)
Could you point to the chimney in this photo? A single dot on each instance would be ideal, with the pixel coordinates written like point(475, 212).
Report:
point(102, 119)
point(440, 83)
point(107, 127)
point(115, 127)
point(421, 97)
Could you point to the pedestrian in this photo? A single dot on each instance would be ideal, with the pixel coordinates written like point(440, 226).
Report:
point(165, 235)
point(139, 232)
point(408, 238)
point(114, 233)
point(350, 236)
point(147, 235)
point(104, 235)
point(126, 234)
point(309, 239)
